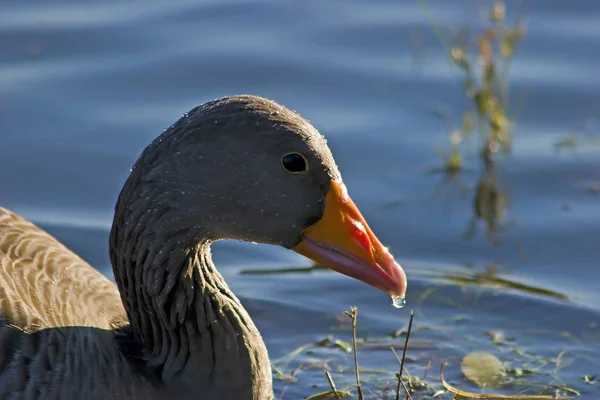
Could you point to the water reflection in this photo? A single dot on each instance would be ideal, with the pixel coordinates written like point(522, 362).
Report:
point(488, 197)
point(490, 201)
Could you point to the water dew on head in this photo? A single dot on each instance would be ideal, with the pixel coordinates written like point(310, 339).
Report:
point(398, 301)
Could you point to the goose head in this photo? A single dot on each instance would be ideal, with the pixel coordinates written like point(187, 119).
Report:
point(247, 168)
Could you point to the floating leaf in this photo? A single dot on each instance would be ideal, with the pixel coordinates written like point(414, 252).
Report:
point(324, 342)
point(482, 368)
point(491, 396)
point(499, 338)
point(283, 376)
point(460, 319)
point(342, 344)
point(519, 372)
point(330, 394)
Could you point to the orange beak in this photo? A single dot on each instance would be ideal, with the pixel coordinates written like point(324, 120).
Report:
point(342, 241)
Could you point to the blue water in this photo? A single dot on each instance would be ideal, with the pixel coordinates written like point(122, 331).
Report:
point(85, 86)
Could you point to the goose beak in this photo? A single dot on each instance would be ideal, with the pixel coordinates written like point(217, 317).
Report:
point(342, 241)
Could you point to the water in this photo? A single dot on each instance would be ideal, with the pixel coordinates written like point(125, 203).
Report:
point(85, 86)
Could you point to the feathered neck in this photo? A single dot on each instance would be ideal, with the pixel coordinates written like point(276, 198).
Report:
point(191, 328)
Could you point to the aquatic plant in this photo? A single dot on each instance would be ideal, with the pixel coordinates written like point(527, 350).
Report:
point(484, 64)
point(482, 369)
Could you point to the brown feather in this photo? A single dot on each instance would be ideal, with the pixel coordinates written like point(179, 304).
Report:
point(43, 284)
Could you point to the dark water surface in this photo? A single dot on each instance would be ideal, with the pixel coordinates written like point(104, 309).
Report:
point(85, 85)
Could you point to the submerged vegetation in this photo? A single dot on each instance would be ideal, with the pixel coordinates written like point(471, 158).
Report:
point(514, 374)
point(430, 364)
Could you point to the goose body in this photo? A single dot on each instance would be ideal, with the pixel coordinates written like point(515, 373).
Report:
point(239, 167)
point(59, 321)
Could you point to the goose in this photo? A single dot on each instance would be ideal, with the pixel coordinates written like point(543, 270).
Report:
point(238, 167)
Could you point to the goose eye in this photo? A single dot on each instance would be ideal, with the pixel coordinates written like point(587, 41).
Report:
point(295, 163)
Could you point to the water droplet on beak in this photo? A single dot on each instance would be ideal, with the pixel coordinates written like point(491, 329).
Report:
point(398, 302)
